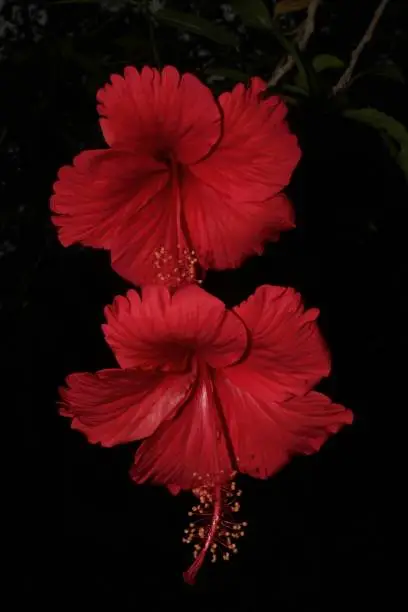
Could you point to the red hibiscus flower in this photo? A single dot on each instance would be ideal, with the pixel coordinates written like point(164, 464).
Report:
point(211, 391)
point(188, 180)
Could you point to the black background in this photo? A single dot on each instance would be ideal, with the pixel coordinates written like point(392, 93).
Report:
point(318, 530)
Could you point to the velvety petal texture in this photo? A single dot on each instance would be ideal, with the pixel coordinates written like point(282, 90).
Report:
point(160, 330)
point(250, 223)
point(198, 177)
point(160, 113)
point(288, 355)
point(94, 195)
point(210, 390)
point(191, 444)
point(256, 156)
point(117, 406)
point(265, 435)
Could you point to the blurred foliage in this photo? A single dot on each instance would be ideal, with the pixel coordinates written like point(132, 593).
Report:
point(54, 55)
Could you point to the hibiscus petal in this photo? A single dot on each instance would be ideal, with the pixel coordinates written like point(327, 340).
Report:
point(288, 355)
point(92, 196)
point(117, 406)
point(162, 331)
point(139, 238)
point(137, 331)
point(257, 153)
point(266, 435)
point(150, 246)
point(159, 113)
point(315, 417)
point(218, 336)
point(190, 445)
point(223, 231)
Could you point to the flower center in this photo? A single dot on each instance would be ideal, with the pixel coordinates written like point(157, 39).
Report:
point(175, 260)
point(164, 156)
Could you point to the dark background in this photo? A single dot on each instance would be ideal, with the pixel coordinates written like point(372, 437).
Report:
point(318, 530)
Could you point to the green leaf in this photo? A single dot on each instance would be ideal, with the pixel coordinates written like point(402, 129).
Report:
point(290, 6)
point(253, 13)
point(389, 70)
point(229, 73)
point(393, 148)
point(290, 100)
point(393, 130)
point(307, 75)
point(197, 25)
point(402, 161)
point(295, 89)
point(319, 64)
point(380, 121)
point(386, 70)
point(327, 62)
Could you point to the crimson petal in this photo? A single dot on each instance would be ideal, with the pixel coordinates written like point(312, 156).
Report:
point(288, 355)
point(257, 154)
point(117, 406)
point(159, 113)
point(266, 435)
point(162, 330)
point(191, 445)
point(92, 197)
point(225, 231)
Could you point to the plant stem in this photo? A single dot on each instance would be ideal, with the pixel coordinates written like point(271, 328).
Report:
point(347, 74)
point(306, 32)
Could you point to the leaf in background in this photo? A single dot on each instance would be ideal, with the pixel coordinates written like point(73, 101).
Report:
point(327, 62)
point(380, 121)
point(389, 70)
point(319, 64)
point(229, 73)
point(393, 148)
point(290, 6)
point(197, 25)
point(402, 161)
point(252, 12)
point(289, 93)
point(386, 69)
point(294, 89)
point(307, 76)
point(385, 124)
point(290, 100)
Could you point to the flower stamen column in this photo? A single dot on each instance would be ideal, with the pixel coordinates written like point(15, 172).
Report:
point(214, 528)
